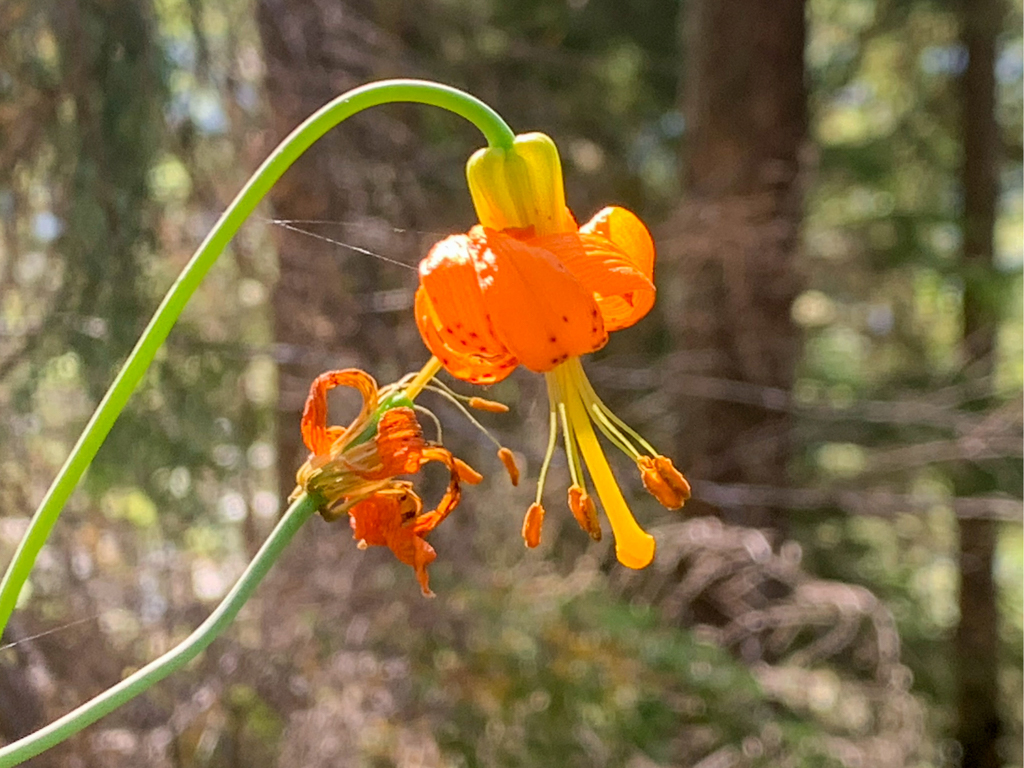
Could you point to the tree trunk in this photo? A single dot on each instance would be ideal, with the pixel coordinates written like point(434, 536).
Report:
point(977, 639)
point(731, 247)
point(325, 313)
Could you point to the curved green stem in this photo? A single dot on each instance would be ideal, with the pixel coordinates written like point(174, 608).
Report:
point(59, 730)
point(495, 130)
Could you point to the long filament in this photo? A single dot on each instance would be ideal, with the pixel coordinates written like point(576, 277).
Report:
point(597, 406)
point(452, 398)
point(572, 455)
point(552, 439)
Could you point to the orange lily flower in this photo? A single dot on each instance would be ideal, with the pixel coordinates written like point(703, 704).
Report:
point(353, 469)
point(528, 286)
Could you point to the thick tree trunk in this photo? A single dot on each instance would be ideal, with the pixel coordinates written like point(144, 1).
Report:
point(731, 247)
point(977, 639)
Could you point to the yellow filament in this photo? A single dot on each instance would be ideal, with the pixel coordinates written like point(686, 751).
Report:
point(603, 414)
point(556, 380)
point(552, 439)
point(634, 547)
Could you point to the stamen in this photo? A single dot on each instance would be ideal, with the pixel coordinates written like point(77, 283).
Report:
point(479, 403)
point(433, 418)
point(552, 439)
point(532, 524)
point(572, 455)
point(438, 384)
point(585, 511)
point(509, 460)
point(608, 430)
point(663, 481)
point(394, 386)
point(504, 454)
point(490, 406)
point(453, 398)
point(597, 406)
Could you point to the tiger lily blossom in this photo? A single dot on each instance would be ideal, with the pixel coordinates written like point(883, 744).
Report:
point(353, 469)
point(529, 287)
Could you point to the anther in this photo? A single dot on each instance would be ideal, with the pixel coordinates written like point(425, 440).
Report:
point(532, 524)
point(585, 512)
point(663, 481)
point(487, 405)
point(509, 460)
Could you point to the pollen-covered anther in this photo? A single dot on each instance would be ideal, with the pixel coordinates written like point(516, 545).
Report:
point(509, 460)
point(663, 481)
point(532, 524)
point(490, 406)
point(585, 512)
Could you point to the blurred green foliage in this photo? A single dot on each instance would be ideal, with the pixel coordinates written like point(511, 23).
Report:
point(555, 667)
point(884, 317)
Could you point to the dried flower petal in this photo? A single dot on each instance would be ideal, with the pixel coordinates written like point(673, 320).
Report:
point(352, 470)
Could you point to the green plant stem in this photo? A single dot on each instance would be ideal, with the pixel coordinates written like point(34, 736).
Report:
point(495, 130)
point(71, 723)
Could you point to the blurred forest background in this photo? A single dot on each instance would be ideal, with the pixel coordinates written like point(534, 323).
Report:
point(835, 360)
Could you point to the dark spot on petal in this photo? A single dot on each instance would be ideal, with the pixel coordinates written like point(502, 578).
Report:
point(565, 318)
point(474, 335)
point(553, 339)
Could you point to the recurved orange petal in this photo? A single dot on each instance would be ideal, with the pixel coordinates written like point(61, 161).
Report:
point(622, 292)
point(627, 233)
point(471, 367)
point(539, 310)
point(452, 495)
point(317, 436)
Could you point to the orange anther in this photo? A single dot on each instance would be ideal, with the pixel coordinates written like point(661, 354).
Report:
point(585, 512)
point(487, 405)
point(509, 460)
point(663, 481)
point(532, 524)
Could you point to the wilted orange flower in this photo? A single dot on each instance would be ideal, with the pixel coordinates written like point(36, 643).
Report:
point(353, 469)
point(527, 286)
